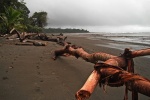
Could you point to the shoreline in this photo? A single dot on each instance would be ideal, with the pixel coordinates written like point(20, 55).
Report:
point(29, 73)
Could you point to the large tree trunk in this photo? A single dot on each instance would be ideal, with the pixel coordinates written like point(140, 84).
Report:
point(110, 72)
point(79, 52)
point(114, 77)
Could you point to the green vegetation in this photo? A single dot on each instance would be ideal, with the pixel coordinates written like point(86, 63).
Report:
point(15, 14)
point(59, 30)
point(39, 19)
point(10, 19)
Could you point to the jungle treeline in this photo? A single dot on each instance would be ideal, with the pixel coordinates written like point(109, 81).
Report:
point(67, 30)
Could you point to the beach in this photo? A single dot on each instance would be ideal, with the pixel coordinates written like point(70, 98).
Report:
point(30, 73)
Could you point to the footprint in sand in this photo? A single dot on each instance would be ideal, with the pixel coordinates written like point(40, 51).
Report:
point(53, 73)
point(41, 58)
point(5, 78)
point(41, 81)
point(37, 89)
point(11, 67)
point(38, 73)
point(37, 67)
point(38, 63)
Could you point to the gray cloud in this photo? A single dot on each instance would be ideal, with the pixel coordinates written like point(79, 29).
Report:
point(94, 13)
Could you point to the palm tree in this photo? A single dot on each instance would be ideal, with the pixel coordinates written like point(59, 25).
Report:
point(11, 19)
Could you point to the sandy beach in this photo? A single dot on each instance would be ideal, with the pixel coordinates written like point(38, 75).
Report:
point(29, 73)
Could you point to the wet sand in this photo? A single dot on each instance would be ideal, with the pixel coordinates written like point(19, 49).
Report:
point(29, 73)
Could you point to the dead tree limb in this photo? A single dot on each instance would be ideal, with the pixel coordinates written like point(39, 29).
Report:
point(114, 76)
point(112, 70)
point(88, 88)
point(79, 52)
point(30, 43)
point(14, 34)
point(142, 52)
point(59, 39)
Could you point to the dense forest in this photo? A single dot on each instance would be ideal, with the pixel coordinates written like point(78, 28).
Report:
point(14, 14)
point(67, 30)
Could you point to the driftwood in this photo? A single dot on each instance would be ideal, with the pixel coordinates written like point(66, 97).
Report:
point(24, 43)
point(89, 86)
point(30, 43)
point(114, 71)
point(39, 43)
point(114, 77)
point(13, 34)
point(58, 34)
point(25, 37)
point(79, 52)
point(22, 36)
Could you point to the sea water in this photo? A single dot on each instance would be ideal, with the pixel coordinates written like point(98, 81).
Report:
point(134, 41)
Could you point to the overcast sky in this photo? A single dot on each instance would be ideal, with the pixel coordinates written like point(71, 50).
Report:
point(95, 15)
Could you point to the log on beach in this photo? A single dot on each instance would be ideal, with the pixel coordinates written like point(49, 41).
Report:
point(112, 66)
point(29, 73)
point(30, 43)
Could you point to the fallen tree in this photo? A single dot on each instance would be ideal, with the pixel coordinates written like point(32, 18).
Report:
point(114, 77)
point(109, 70)
point(79, 52)
point(35, 43)
point(34, 37)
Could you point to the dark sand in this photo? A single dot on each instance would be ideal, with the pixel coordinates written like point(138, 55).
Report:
point(29, 73)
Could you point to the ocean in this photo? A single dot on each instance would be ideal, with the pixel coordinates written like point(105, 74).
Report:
point(134, 41)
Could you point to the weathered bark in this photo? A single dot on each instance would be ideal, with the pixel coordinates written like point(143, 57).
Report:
point(88, 88)
point(112, 70)
point(35, 43)
point(23, 44)
point(59, 39)
point(79, 52)
point(22, 36)
point(142, 52)
point(13, 34)
point(114, 77)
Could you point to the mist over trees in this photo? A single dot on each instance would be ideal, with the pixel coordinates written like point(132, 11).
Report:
point(14, 14)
